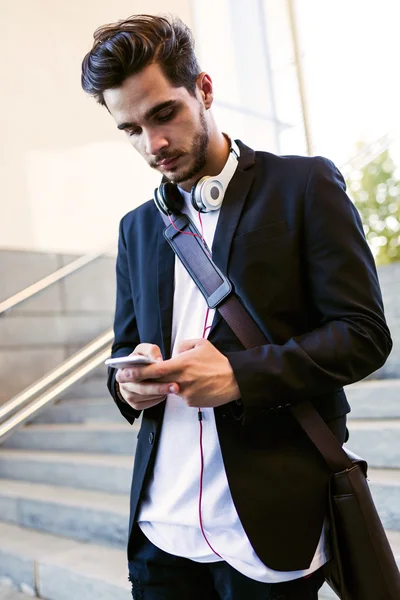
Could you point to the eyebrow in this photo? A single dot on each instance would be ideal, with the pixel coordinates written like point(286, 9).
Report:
point(150, 113)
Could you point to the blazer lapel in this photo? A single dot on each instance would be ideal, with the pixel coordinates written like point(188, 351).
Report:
point(231, 211)
point(165, 289)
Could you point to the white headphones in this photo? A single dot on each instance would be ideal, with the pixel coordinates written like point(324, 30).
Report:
point(206, 195)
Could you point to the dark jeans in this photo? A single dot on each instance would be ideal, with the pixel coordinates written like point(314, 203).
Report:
point(157, 575)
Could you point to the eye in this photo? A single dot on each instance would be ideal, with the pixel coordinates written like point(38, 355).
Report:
point(163, 117)
point(132, 132)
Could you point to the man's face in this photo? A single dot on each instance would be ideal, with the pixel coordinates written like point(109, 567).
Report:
point(166, 124)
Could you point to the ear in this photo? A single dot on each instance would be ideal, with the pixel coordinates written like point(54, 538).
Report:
point(204, 86)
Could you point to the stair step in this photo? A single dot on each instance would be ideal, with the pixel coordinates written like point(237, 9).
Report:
point(385, 489)
point(80, 514)
point(66, 568)
point(374, 399)
point(8, 592)
point(62, 569)
point(375, 424)
point(103, 399)
point(103, 472)
point(115, 438)
point(376, 441)
point(94, 387)
point(79, 411)
point(325, 593)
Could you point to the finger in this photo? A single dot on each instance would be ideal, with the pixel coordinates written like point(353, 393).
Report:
point(132, 388)
point(186, 345)
point(123, 376)
point(133, 397)
point(144, 373)
point(150, 350)
point(151, 389)
point(145, 403)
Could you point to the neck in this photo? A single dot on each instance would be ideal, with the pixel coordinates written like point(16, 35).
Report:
point(217, 155)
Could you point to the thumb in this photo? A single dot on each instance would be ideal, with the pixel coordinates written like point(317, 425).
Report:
point(186, 345)
point(150, 350)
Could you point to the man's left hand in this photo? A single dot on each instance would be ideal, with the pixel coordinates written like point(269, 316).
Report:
point(204, 375)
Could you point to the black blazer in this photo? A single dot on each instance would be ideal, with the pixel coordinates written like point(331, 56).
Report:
point(293, 246)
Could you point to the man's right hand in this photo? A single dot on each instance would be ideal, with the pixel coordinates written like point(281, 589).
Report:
point(139, 392)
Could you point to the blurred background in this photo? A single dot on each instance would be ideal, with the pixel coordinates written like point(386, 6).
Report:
point(67, 174)
point(291, 77)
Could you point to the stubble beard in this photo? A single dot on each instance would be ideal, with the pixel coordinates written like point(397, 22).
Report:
point(198, 151)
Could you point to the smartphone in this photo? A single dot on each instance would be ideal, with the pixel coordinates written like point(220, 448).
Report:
point(124, 362)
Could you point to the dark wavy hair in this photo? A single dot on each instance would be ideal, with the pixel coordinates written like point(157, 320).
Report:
point(124, 48)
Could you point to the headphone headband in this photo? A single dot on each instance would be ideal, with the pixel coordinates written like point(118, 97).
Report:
point(208, 193)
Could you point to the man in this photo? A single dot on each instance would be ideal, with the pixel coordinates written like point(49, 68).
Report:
point(232, 506)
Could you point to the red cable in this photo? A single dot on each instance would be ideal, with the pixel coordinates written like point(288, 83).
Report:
point(192, 234)
point(201, 225)
point(200, 417)
point(185, 232)
point(205, 323)
point(199, 413)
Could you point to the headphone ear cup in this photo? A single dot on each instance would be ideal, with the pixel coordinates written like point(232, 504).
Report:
point(171, 197)
point(195, 197)
point(159, 202)
point(207, 194)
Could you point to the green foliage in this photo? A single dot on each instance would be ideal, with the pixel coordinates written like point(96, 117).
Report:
point(375, 190)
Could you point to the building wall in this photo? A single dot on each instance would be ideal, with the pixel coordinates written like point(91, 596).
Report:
point(247, 47)
point(66, 174)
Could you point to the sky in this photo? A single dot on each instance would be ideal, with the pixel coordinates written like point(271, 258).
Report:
point(351, 53)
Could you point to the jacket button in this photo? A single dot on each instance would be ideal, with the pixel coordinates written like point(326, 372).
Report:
point(151, 437)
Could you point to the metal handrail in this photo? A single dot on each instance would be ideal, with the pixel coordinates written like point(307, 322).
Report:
point(74, 362)
point(26, 413)
point(25, 404)
point(44, 283)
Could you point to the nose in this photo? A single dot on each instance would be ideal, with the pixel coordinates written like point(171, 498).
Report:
point(154, 143)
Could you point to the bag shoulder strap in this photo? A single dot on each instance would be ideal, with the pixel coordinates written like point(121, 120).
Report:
point(185, 240)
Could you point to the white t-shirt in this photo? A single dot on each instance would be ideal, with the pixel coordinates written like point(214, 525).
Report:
point(169, 512)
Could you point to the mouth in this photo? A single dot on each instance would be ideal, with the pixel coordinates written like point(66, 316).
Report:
point(168, 163)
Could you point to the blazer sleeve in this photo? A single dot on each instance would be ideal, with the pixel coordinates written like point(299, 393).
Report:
point(352, 339)
point(126, 336)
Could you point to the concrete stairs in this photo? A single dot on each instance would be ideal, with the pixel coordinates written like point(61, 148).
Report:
point(64, 491)
point(64, 502)
point(9, 592)
point(53, 567)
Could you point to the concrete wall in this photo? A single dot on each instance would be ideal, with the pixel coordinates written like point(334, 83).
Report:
point(66, 174)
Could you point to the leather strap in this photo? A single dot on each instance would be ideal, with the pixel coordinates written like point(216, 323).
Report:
point(196, 258)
